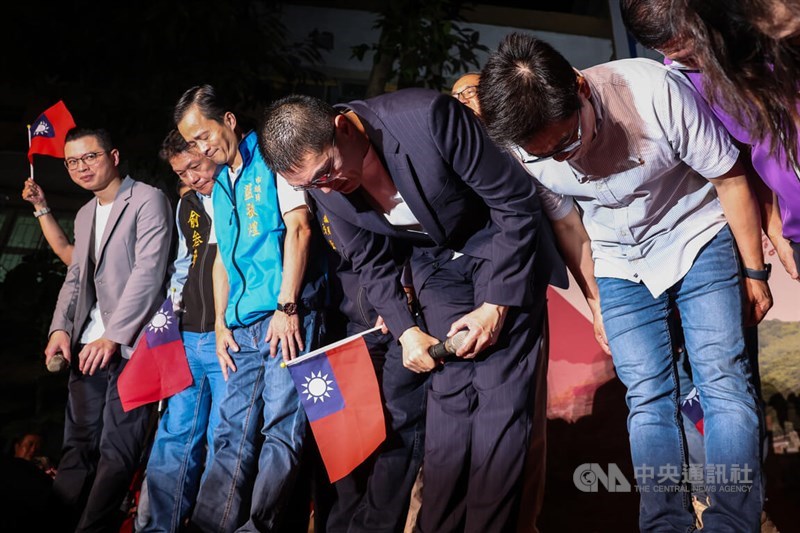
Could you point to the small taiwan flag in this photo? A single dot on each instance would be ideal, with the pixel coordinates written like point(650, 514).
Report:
point(158, 367)
point(692, 409)
point(49, 131)
point(339, 391)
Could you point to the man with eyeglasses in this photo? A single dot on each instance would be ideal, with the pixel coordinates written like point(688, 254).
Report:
point(113, 286)
point(656, 176)
point(465, 90)
point(416, 166)
point(268, 290)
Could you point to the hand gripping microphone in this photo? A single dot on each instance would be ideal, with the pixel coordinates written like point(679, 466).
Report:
point(449, 346)
point(57, 363)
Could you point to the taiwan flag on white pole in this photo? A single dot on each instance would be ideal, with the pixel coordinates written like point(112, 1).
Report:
point(339, 392)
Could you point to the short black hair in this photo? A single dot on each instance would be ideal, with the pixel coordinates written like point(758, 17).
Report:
point(293, 126)
point(172, 145)
point(102, 135)
point(525, 86)
point(206, 99)
point(651, 22)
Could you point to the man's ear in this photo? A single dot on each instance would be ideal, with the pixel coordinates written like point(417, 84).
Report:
point(583, 87)
point(340, 122)
point(230, 120)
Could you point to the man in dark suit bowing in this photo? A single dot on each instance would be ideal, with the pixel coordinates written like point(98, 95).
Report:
point(416, 165)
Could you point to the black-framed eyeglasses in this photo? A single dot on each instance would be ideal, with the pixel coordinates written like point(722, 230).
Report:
point(324, 179)
point(88, 159)
point(466, 93)
point(528, 158)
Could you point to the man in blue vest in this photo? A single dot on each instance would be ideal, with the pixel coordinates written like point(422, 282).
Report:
point(263, 232)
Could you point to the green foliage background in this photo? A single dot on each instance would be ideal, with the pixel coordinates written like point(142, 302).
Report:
point(779, 357)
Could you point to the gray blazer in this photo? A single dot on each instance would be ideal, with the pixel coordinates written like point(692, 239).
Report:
point(130, 268)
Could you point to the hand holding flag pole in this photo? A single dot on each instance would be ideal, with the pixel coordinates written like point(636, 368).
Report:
point(30, 161)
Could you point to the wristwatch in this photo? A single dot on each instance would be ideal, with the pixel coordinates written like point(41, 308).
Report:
point(41, 212)
point(290, 308)
point(760, 275)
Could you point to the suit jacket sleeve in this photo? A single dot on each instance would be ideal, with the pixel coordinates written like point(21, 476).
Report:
point(506, 189)
point(371, 256)
point(64, 314)
point(146, 281)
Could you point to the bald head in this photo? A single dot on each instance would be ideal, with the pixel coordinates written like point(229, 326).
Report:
point(466, 90)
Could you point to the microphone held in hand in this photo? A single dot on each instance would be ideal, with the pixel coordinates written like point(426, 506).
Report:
point(57, 363)
point(449, 346)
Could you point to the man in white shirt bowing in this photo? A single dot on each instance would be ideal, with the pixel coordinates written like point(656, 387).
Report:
point(656, 176)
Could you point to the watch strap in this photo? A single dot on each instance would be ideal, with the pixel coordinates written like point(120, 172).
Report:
point(760, 275)
point(289, 308)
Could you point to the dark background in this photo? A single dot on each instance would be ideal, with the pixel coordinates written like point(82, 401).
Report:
point(122, 66)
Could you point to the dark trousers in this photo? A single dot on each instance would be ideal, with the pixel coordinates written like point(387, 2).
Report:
point(102, 448)
point(533, 478)
point(375, 496)
point(478, 411)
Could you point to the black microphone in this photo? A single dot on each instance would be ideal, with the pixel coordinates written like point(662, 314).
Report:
point(449, 346)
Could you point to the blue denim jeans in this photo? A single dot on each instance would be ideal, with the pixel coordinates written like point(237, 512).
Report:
point(184, 434)
point(695, 449)
point(259, 440)
point(709, 300)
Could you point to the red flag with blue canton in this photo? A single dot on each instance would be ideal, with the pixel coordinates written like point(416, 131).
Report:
point(49, 131)
point(158, 367)
point(691, 408)
point(340, 394)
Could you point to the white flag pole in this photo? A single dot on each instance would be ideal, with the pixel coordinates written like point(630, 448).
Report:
point(29, 146)
point(332, 345)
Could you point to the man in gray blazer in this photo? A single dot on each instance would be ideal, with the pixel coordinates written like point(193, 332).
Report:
point(113, 285)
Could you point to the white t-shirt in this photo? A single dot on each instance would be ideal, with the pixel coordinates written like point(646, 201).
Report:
point(288, 198)
point(208, 205)
point(95, 328)
point(400, 216)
